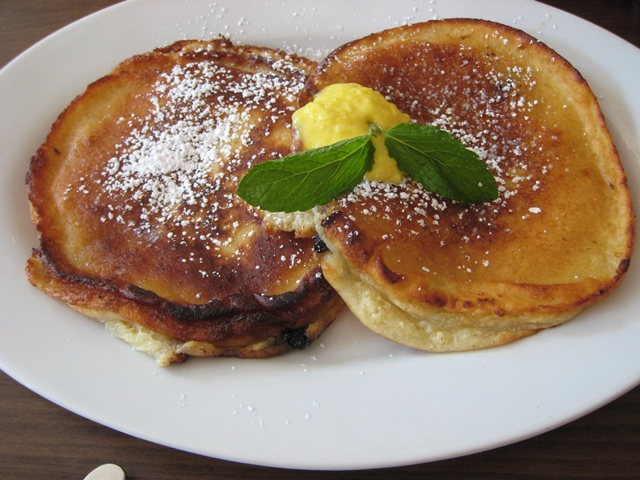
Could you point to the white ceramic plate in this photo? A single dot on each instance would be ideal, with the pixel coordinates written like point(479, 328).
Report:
point(352, 400)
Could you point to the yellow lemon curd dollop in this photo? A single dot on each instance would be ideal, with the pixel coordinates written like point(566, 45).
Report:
point(346, 110)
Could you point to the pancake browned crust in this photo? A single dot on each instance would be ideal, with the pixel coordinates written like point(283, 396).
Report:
point(132, 194)
point(443, 276)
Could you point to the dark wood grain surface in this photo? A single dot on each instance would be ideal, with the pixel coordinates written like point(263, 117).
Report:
point(39, 440)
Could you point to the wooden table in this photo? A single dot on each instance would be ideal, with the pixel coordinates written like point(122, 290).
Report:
point(41, 440)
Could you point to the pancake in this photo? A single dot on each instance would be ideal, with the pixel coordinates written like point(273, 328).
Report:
point(133, 197)
point(439, 275)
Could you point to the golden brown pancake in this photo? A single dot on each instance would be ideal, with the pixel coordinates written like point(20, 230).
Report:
point(133, 196)
point(444, 276)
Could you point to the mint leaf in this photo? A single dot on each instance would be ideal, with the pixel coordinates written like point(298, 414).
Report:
point(440, 163)
point(304, 180)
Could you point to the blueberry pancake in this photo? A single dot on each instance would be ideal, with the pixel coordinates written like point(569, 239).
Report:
point(440, 275)
point(133, 197)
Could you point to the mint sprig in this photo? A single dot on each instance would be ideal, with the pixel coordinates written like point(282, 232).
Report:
point(431, 156)
point(305, 180)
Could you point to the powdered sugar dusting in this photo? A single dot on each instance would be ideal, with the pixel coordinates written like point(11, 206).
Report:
point(180, 162)
point(488, 103)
